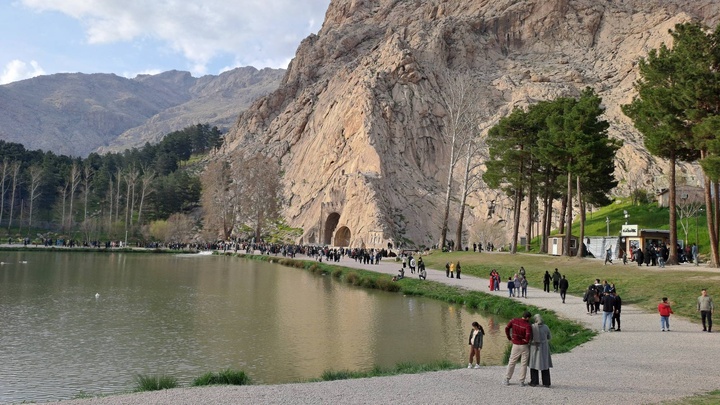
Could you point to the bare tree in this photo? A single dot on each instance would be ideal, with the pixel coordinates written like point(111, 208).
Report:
point(63, 190)
point(15, 170)
point(472, 178)
point(258, 181)
point(36, 175)
point(686, 210)
point(131, 181)
point(74, 183)
point(146, 181)
point(458, 97)
point(111, 190)
point(118, 180)
point(3, 185)
point(179, 228)
point(87, 174)
point(218, 199)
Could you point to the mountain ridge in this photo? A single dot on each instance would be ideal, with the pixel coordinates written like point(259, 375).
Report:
point(76, 114)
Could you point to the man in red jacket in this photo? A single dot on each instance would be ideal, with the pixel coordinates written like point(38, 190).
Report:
point(519, 332)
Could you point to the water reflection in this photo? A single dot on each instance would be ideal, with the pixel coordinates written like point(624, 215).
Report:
point(184, 316)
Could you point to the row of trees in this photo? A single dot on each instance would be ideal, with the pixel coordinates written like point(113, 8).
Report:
point(111, 194)
point(538, 153)
point(242, 197)
point(677, 109)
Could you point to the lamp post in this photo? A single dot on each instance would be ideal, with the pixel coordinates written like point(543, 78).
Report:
point(696, 227)
point(627, 216)
point(607, 223)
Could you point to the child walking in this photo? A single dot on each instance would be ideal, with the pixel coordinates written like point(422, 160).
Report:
point(665, 311)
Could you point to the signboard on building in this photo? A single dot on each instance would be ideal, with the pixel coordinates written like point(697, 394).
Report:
point(629, 230)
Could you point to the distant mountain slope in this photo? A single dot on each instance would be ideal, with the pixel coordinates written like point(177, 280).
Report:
point(76, 114)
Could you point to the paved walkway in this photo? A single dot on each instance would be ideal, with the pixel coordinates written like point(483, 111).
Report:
point(638, 365)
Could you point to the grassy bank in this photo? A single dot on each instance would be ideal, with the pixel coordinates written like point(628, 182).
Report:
point(641, 286)
point(566, 334)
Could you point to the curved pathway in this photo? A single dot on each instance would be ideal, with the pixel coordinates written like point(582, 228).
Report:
point(638, 365)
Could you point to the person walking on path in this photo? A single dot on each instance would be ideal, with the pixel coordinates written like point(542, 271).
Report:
point(556, 280)
point(457, 269)
point(519, 332)
point(447, 269)
point(452, 269)
point(476, 343)
point(540, 359)
point(523, 287)
point(616, 312)
point(608, 256)
point(706, 308)
point(694, 252)
point(665, 311)
point(608, 304)
point(563, 285)
point(546, 281)
point(511, 287)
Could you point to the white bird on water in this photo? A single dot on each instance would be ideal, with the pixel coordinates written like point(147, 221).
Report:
point(97, 295)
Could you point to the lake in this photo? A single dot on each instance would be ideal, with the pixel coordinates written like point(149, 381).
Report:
point(185, 315)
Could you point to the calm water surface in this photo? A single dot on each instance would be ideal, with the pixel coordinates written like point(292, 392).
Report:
point(185, 315)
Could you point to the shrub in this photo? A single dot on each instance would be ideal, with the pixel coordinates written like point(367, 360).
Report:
point(154, 383)
point(337, 273)
point(368, 282)
point(225, 377)
point(352, 278)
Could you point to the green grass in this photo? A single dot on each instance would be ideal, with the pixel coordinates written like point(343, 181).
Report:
point(225, 377)
point(154, 382)
point(641, 286)
point(710, 398)
point(401, 368)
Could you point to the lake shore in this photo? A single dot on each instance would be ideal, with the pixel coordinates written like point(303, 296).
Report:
point(639, 364)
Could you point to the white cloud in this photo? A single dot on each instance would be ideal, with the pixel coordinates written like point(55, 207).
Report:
point(18, 70)
point(200, 30)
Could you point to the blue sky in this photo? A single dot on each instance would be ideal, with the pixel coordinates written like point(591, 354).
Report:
point(131, 37)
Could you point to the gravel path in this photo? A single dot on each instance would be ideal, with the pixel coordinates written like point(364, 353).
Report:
point(638, 365)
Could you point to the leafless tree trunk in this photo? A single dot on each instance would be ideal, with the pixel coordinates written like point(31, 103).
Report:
point(471, 181)
point(147, 179)
point(127, 201)
point(87, 174)
point(74, 183)
point(118, 180)
point(3, 186)
point(458, 99)
point(131, 180)
point(63, 191)
point(111, 191)
point(15, 171)
point(36, 174)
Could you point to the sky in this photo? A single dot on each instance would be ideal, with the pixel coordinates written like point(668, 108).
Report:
point(131, 37)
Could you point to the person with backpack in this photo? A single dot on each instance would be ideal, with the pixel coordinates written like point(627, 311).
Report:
point(589, 298)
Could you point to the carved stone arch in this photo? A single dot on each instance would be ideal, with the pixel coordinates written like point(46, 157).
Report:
point(342, 237)
point(330, 224)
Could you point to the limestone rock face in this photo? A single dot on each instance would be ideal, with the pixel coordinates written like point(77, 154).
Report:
point(357, 121)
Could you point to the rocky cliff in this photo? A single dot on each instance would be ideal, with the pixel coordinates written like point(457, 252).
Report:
point(75, 114)
point(357, 120)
